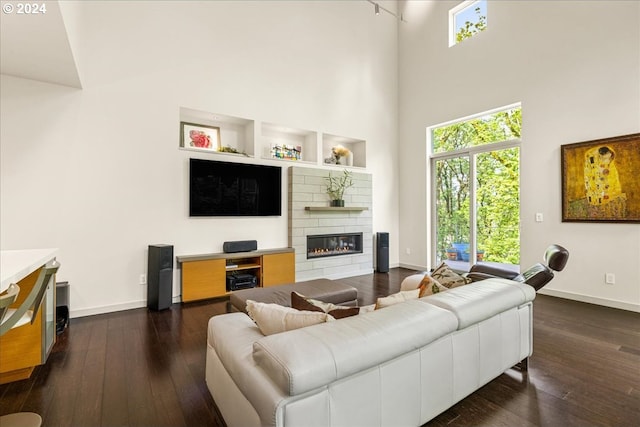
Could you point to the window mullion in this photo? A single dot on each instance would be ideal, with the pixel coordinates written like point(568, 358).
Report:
point(473, 212)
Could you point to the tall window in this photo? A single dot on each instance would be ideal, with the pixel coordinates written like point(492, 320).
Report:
point(475, 176)
point(466, 20)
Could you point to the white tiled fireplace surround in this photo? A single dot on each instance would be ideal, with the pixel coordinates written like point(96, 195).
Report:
point(307, 189)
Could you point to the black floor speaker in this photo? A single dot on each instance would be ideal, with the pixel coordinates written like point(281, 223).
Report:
point(160, 277)
point(382, 252)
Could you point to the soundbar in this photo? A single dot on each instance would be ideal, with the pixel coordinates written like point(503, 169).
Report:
point(240, 246)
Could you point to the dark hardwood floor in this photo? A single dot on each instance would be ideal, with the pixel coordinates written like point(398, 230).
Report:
point(144, 368)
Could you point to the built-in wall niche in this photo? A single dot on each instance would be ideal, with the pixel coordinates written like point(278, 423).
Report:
point(356, 147)
point(287, 143)
point(276, 142)
point(235, 132)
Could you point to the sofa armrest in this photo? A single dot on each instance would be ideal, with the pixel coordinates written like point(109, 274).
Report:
point(492, 271)
point(476, 276)
point(412, 282)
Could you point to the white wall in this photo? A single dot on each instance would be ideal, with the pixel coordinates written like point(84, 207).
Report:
point(575, 66)
point(97, 172)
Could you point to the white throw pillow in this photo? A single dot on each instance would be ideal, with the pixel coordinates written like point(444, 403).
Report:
point(397, 298)
point(367, 308)
point(273, 318)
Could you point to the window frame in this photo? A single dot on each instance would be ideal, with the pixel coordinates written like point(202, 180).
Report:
point(467, 4)
point(471, 153)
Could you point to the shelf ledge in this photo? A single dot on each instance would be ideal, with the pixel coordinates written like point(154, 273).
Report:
point(336, 208)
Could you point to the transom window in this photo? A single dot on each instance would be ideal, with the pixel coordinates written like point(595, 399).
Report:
point(466, 20)
point(502, 125)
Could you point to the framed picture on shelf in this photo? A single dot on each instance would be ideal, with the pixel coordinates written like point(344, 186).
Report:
point(599, 180)
point(199, 137)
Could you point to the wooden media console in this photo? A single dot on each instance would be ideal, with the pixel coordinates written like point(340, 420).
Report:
point(205, 276)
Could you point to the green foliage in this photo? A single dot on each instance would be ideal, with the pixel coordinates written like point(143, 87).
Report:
point(497, 187)
point(337, 185)
point(500, 126)
point(471, 28)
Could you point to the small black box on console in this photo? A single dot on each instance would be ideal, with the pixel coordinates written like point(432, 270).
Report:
point(240, 246)
point(235, 282)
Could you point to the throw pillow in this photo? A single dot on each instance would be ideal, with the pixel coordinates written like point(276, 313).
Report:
point(274, 318)
point(430, 286)
point(397, 298)
point(366, 308)
point(447, 277)
point(300, 302)
point(342, 312)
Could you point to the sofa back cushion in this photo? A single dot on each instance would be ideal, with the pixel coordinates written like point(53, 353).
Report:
point(304, 359)
point(274, 318)
point(481, 300)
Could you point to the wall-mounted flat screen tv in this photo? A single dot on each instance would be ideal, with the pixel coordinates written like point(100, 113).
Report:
point(234, 189)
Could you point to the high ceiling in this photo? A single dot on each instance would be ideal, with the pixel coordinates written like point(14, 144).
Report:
point(36, 46)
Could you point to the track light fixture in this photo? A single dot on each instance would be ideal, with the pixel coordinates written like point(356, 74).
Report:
point(377, 8)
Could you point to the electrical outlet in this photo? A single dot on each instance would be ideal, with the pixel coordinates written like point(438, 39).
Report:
point(610, 279)
point(143, 279)
point(539, 217)
point(408, 251)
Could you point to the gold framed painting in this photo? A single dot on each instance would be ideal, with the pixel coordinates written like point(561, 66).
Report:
point(600, 180)
point(199, 137)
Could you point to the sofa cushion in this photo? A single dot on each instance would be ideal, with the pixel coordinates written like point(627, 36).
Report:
point(343, 312)
point(429, 286)
point(447, 277)
point(274, 318)
point(423, 281)
point(478, 301)
point(396, 298)
point(300, 302)
point(322, 289)
point(307, 358)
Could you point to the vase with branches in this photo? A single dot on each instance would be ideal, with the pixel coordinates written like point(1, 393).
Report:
point(337, 185)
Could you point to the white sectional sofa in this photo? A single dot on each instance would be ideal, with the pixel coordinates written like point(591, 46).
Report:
point(397, 366)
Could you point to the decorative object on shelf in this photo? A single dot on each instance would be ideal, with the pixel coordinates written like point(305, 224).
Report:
point(286, 152)
point(199, 137)
point(230, 149)
point(340, 156)
point(452, 254)
point(599, 180)
point(336, 186)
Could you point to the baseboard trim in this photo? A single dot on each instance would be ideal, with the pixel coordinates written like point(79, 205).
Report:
point(115, 307)
point(623, 305)
point(106, 309)
point(413, 267)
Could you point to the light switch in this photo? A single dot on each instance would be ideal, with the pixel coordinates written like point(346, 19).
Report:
point(539, 217)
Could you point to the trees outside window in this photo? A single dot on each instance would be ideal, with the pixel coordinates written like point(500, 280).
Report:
point(466, 20)
point(475, 182)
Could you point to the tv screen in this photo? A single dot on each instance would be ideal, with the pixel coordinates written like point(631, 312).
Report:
point(233, 189)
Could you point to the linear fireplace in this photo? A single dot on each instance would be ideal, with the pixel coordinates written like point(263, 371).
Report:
point(327, 245)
